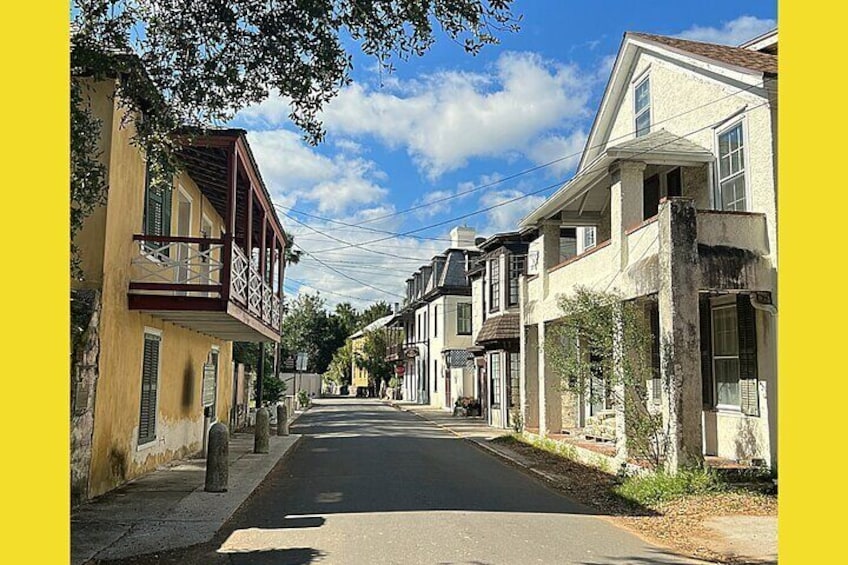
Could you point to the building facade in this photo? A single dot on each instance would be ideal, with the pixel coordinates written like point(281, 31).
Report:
point(495, 300)
point(173, 275)
point(674, 207)
point(436, 319)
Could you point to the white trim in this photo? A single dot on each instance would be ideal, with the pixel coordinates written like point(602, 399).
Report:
point(647, 108)
point(730, 124)
point(638, 78)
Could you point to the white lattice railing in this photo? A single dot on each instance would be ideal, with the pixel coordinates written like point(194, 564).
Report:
point(267, 293)
point(275, 311)
point(178, 264)
point(238, 275)
point(254, 290)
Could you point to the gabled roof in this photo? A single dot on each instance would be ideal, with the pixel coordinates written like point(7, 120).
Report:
point(658, 143)
point(738, 66)
point(735, 56)
point(375, 325)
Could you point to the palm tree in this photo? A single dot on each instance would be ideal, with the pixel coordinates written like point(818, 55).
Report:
point(292, 255)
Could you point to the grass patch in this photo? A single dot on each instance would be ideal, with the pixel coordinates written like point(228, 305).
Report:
point(651, 490)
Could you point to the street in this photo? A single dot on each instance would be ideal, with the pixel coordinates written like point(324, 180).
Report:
point(372, 484)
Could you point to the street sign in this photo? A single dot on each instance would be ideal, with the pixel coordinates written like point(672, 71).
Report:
point(209, 374)
point(400, 370)
point(289, 362)
point(302, 359)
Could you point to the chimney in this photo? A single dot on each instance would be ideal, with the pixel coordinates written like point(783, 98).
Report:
point(462, 237)
point(396, 308)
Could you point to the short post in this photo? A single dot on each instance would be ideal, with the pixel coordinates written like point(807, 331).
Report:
point(218, 458)
point(282, 420)
point(261, 431)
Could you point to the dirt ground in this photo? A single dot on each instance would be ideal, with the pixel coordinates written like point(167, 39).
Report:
point(701, 526)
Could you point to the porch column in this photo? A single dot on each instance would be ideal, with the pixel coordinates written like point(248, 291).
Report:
point(263, 263)
point(550, 391)
point(680, 354)
point(230, 222)
point(529, 376)
point(625, 204)
point(549, 232)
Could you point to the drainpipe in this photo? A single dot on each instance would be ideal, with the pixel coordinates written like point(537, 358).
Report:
point(770, 308)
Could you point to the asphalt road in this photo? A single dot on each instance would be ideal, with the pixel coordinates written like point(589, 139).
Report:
point(369, 484)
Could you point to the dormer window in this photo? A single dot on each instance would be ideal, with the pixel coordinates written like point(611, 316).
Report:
point(642, 101)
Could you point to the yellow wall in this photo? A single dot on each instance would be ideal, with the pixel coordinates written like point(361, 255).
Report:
point(116, 457)
point(360, 376)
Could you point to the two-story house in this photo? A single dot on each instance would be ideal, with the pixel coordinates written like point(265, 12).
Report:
point(436, 318)
point(177, 275)
point(496, 325)
point(678, 186)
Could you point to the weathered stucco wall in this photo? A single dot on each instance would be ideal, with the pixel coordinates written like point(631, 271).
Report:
point(116, 456)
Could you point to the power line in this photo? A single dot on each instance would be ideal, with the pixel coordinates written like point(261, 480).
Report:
point(550, 163)
point(363, 283)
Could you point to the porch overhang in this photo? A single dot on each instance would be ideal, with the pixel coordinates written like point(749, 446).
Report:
point(574, 200)
point(204, 315)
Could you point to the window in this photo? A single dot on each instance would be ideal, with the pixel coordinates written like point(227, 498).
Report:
point(516, 269)
point(435, 321)
point(495, 375)
point(589, 238)
point(495, 284)
point(149, 386)
point(731, 170)
point(567, 243)
point(642, 98)
point(463, 319)
point(157, 208)
point(726, 355)
point(514, 379)
point(435, 375)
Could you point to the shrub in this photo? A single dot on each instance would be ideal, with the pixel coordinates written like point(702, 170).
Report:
point(653, 489)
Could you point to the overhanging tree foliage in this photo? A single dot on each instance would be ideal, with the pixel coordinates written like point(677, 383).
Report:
point(197, 62)
point(602, 347)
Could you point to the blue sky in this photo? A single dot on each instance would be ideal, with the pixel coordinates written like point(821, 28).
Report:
point(448, 123)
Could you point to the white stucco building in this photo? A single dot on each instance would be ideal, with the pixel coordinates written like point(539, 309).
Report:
point(436, 318)
point(673, 205)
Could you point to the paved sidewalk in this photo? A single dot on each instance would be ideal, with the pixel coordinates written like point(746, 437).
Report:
point(468, 428)
point(168, 508)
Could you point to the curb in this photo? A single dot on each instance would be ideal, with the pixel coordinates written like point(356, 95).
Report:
point(478, 443)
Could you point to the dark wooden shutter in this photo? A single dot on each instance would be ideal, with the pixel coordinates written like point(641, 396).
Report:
point(157, 207)
point(149, 383)
point(705, 315)
point(674, 183)
point(748, 393)
point(650, 197)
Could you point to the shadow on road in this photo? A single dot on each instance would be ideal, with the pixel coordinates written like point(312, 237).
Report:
point(290, 556)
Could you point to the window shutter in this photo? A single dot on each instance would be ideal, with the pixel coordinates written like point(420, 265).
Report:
point(705, 315)
point(748, 389)
point(149, 383)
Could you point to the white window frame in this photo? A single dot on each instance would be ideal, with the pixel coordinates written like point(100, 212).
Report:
point(637, 114)
point(723, 305)
point(716, 169)
point(155, 441)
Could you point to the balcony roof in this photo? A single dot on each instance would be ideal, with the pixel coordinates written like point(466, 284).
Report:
point(658, 147)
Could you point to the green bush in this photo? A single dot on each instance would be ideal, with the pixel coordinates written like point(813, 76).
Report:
point(649, 490)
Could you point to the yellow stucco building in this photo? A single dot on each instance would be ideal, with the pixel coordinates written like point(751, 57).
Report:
point(173, 278)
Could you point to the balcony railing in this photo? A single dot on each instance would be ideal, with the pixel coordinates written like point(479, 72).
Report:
point(181, 265)
point(194, 266)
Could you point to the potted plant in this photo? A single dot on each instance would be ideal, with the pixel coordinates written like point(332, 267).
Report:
point(466, 406)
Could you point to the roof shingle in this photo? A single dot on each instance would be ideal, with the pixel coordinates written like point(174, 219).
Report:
point(736, 56)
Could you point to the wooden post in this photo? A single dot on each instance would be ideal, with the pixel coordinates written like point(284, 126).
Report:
point(229, 237)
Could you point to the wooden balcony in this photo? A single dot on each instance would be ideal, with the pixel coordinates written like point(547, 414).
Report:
point(229, 287)
point(182, 280)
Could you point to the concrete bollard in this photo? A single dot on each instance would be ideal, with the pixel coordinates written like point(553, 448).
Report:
point(282, 420)
point(218, 458)
point(261, 431)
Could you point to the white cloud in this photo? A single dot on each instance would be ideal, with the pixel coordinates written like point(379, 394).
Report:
point(565, 151)
point(733, 32)
point(293, 170)
point(446, 118)
point(506, 217)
